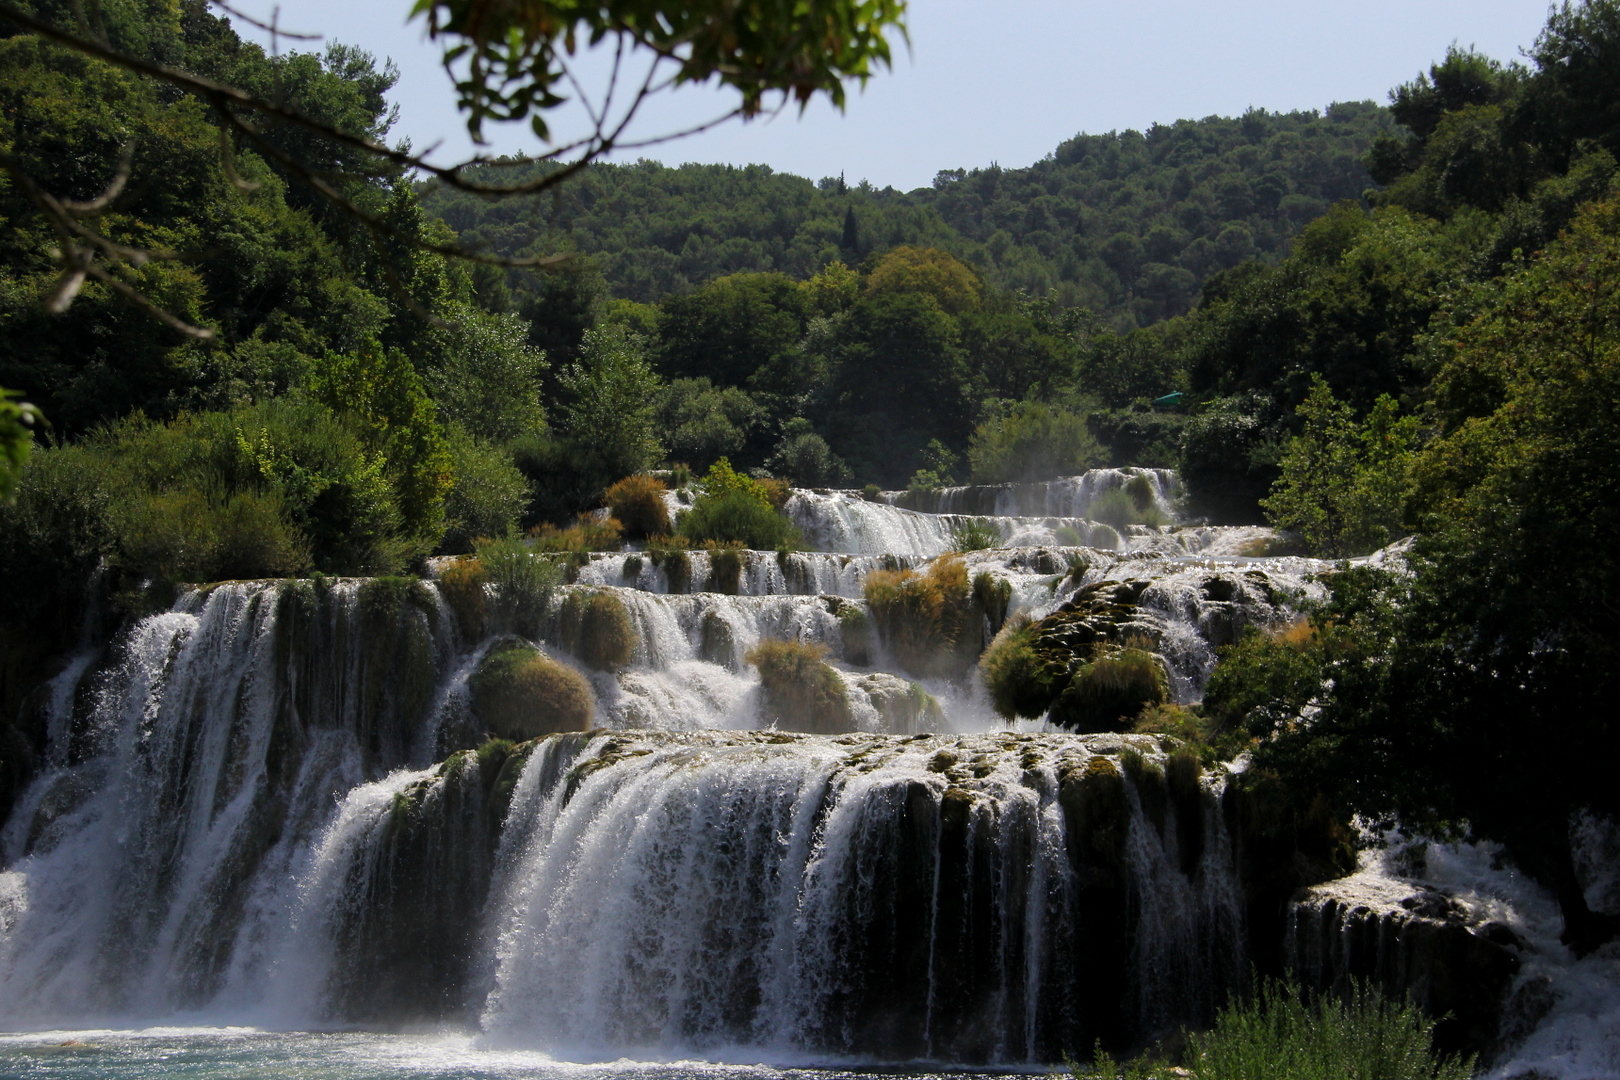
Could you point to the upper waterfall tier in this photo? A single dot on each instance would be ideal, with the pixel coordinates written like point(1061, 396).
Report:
point(923, 524)
point(1068, 497)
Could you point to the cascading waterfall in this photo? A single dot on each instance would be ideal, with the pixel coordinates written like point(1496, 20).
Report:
point(266, 806)
point(1069, 497)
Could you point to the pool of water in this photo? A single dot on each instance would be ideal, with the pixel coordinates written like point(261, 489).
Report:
point(205, 1053)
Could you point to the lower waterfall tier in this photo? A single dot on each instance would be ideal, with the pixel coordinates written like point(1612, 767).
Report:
point(969, 898)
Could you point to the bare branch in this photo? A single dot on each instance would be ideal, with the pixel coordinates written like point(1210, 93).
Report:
point(269, 28)
point(224, 96)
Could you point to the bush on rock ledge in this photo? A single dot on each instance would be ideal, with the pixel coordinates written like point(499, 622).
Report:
point(519, 693)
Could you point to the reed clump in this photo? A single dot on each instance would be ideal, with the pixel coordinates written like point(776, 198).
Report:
point(637, 503)
point(926, 620)
point(801, 691)
point(465, 588)
point(1014, 673)
point(597, 628)
point(975, 534)
point(589, 533)
point(520, 693)
point(1282, 1032)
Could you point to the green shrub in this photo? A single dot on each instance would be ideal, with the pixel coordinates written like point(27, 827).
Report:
point(1283, 1034)
point(598, 629)
point(975, 534)
point(1033, 442)
point(490, 495)
point(259, 491)
point(523, 580)
point(1109, 691)
point(735, 508)
point(801, 692)
point(637, 502)
point(519, 693)
point(186, 535)
point(872, 493)
point(1014, 674)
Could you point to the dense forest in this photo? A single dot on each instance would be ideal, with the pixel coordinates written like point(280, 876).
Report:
point(1128, 224)
point(1380, 323)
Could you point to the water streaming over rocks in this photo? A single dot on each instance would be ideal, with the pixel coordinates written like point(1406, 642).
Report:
point(276, 804)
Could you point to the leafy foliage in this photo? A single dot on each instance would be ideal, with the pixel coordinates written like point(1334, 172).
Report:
point(516, 51)
point(1129, 224)
point(1343, 484)
point(1032, 442)
point(735, 508)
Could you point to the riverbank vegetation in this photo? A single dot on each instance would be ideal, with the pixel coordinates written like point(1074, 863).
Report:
point(1282, 1032)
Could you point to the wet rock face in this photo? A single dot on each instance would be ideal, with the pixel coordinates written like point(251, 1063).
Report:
point(904, 707)
point(1423, 946)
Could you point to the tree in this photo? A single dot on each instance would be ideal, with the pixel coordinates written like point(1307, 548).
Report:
point(1427, 684)
point(729, 328)
point(489, 379)
point(701, 424)
point(611, 418)
point(1343, 483)
point(508, 61)
point(1033, 441)
point(379, 396)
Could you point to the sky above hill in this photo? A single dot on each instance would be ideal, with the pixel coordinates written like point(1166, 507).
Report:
point(1000, 82)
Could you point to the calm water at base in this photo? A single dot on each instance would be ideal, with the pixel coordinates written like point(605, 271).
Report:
point(206, 1053)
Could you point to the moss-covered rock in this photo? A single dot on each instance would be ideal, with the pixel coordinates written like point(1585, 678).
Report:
point(519, 693)
point(1108, 691)
point(717, 642)
point(597, 628)
point(725, 567)
point(904, 706)
point(801, 691)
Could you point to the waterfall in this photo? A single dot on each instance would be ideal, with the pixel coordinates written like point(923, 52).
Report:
point(1069, 497)
point(276, 805)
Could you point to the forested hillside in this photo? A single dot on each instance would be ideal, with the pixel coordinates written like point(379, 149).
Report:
point(1128, 224)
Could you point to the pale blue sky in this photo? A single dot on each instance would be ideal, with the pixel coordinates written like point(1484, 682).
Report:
point(1006, 81)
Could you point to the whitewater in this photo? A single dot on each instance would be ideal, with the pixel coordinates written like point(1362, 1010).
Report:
point(263, 834)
